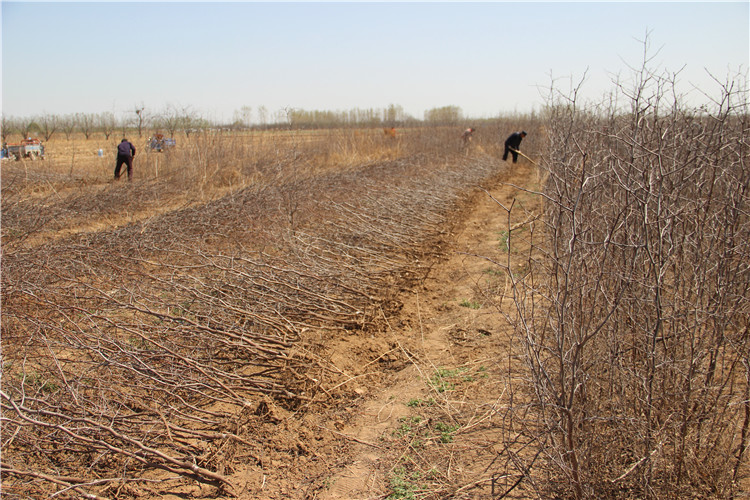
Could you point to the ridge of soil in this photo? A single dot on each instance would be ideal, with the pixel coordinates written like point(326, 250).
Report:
point(459, 355)
point(430, 422)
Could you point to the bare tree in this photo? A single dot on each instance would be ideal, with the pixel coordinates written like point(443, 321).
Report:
point(106, 123)
point(125, 123)
point(243, 116)
point(288, 115)
point(141, 118)
point(393, 114)
point(634, 312)
point(188, 121)
point(169, 119)
point(8, 126)
point(26, 125)
point(48, 124)
point(446, 115)
point(86, 123)
point(68, 125)
point(262, 112)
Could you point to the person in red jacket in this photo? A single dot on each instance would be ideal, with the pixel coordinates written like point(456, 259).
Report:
point(125, 154)
point(467, 135)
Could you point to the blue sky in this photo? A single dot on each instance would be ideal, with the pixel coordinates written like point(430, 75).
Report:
point(487, 57)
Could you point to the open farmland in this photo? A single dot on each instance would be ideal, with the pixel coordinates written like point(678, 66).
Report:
point(165, 324)
point(342, 314)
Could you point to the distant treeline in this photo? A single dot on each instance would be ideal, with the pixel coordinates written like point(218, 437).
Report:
point(172, 120)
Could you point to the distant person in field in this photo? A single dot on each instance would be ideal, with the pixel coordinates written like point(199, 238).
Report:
point(467, 135)
point(512, 145)
point(125, 154)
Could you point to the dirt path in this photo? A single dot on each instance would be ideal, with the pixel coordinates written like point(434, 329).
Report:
point(436, 424)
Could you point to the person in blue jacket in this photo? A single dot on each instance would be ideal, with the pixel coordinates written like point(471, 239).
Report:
point(512, 144)
point(125, 154)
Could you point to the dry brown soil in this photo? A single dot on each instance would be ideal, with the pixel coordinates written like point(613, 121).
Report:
point(432, 420)
point(470, 344)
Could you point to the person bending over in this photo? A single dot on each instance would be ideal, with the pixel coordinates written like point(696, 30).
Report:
point(125, 154)
point(512, 144)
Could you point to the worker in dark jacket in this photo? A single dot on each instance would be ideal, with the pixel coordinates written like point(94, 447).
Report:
point(125, 154)
point(512, 144)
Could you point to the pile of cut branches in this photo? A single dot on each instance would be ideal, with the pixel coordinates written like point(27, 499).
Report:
point(153, 345)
